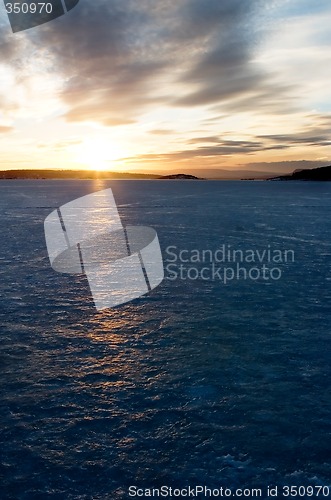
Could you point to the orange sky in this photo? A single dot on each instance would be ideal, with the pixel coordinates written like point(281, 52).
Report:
point(169, 86)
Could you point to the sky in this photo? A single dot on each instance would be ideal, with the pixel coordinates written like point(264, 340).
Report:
point(169, 86)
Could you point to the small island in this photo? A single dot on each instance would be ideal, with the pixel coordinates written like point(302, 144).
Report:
point(181, 177)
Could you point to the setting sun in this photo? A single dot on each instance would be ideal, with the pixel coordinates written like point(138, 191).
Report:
point(98, 153)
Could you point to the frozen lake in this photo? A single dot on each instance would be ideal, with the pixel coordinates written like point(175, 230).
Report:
point(199, 382)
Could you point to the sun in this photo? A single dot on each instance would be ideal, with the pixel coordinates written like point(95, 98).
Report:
point(98, 154)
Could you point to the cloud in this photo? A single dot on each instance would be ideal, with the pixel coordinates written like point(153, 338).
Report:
point(224, 72)
point(316, 132)
point(222, 149)
point(209, 148)
point(208, 139)
point(5, 129)
point(120, 59)
point(162, 131)
point(229, 143)
point(106, 53)
point(214, 66)
point(299, 139)
point(60, 145)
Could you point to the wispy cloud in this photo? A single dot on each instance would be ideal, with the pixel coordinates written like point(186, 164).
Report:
point(234, 78)
point(4, 129)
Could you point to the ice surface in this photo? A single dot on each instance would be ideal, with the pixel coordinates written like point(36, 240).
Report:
point(194, 383)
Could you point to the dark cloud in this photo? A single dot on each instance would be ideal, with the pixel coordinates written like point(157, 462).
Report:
point(219, 150)
point(101, 51)
point(210, 19)
point(266, 142)
point(293, 139)
point(222, 149)
point(228, 143)
point(221, 74)
point(216, 146)
point(231, 147)
point(223, 71)
point(117, 57)
point(267, 96)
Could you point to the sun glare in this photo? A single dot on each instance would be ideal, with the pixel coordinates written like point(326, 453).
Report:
point(98, 154)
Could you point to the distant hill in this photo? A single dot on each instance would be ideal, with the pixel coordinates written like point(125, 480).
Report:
point(91, 174)
point(318, 174)
point(181, 177)
point(85, 174)
point(312, 174)
point(224, 174)
point(71, 174)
